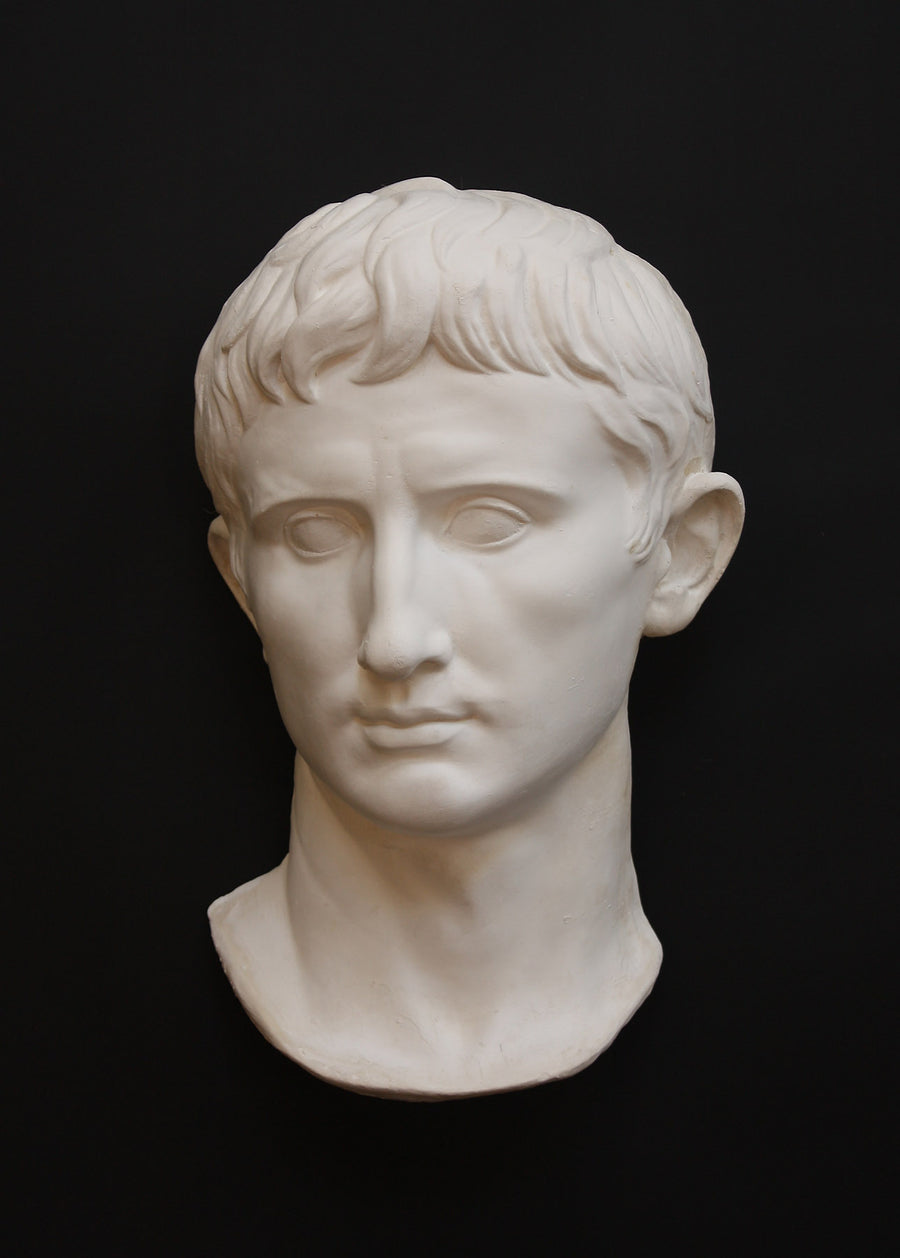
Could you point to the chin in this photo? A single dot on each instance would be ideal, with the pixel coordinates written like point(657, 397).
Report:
point(428, 799)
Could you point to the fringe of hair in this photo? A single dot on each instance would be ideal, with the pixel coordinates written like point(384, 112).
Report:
point(494, 281)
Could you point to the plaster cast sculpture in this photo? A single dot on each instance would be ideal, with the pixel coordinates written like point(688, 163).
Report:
point(460, 444)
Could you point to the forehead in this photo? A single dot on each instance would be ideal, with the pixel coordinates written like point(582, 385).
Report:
point(434, 427)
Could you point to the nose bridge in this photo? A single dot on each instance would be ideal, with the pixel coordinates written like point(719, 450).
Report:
point(403, 627)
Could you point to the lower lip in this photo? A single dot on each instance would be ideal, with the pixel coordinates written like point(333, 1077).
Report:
point(407, 737)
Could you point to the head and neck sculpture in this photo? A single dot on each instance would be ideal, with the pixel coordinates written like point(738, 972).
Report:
point(461, 446)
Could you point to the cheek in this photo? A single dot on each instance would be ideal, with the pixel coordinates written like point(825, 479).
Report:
point(569, 644)
point(566, 603)
point(305, 621)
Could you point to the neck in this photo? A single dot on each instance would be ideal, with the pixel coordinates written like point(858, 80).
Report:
point(461, 959)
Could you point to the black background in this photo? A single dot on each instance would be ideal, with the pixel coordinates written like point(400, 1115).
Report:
point(157, 152)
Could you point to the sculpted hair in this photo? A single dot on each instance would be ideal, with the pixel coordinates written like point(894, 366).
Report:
point(494, 281)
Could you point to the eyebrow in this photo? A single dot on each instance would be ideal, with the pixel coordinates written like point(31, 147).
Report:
point(546, 497)
point(551, 494)
point(272, 511)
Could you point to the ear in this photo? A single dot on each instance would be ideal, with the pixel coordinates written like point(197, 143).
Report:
point(703, 530)
point(220, 547)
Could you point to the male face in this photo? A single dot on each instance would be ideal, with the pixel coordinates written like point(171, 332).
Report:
point(438, 568)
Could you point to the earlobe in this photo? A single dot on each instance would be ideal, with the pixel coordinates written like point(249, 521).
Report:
point(703, 531)
point(220, 547)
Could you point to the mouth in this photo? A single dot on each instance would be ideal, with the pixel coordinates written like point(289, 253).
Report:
point(394, 729)
point(405, 718)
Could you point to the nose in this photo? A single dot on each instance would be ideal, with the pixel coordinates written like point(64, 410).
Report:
point(404, 630)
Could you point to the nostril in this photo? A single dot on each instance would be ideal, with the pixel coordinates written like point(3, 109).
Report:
point(398, 657)
point(440, 647)
point(385, 663)
point(385, 656)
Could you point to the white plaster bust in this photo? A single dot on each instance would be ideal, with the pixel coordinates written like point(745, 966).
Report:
point(460, 443)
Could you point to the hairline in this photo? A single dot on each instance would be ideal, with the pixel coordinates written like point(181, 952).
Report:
point(273, 363)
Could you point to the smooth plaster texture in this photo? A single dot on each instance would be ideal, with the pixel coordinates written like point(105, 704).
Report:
point(460, 443)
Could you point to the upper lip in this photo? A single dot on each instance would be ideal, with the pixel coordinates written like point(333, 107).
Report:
point(403, 718)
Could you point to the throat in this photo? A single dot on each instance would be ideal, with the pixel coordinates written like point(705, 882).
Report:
point(523, 911)
point(435, 965)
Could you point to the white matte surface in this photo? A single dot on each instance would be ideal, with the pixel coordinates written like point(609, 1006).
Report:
point(450, 515)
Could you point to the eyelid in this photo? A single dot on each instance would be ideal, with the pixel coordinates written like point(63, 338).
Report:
point(328, 515)
point(492, 503)
point(501, 507)
point(272, 520)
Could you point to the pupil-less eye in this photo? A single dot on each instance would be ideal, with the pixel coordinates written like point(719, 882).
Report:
point(318, 534)
point(484, 525)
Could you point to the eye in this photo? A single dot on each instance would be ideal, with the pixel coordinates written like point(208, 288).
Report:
point(313, 533)
point(486, 524)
